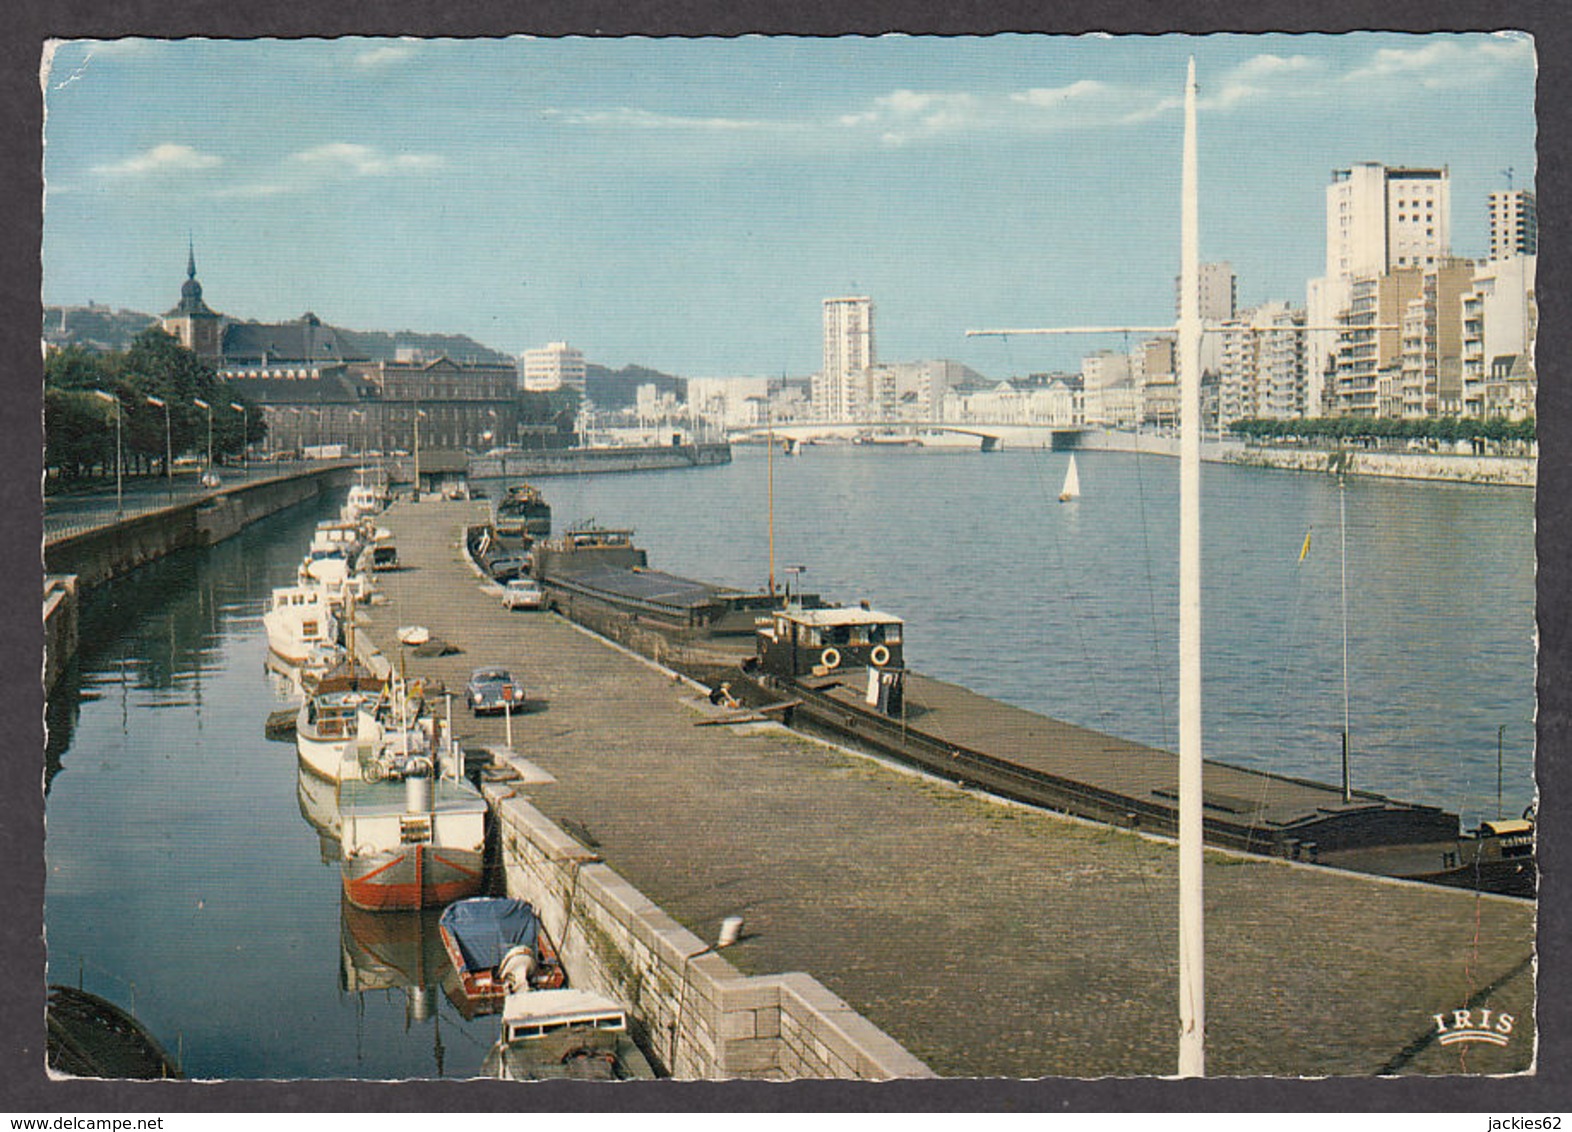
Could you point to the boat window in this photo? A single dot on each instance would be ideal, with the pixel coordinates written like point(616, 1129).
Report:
point(838, 634)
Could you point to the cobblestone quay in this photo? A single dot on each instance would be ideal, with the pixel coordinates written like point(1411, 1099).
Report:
point(988, 938)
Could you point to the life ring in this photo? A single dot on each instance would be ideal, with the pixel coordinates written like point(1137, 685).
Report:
point(830, 658)
point(880, 656)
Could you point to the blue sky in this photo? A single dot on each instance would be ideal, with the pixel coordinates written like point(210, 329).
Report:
point(687, 204)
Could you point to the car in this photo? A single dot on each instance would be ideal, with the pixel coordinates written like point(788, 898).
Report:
point(506, 567)
point(523, 593)
point(491, 690)
point(210, 479)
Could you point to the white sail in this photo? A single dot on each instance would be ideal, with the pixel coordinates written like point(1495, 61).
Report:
point(1072, 483)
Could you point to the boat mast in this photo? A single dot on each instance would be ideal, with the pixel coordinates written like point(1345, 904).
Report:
point(1192, 974)
point(1342, 528)
point(769, 463)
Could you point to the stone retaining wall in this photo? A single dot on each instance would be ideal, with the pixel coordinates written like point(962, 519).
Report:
point(578, 461)
point(61, 613)
point(698, 1015)
point(1511, 471)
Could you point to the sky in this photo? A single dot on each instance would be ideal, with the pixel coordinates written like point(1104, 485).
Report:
point(687, 204)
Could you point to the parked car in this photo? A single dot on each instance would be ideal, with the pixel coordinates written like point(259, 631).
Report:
point(491, 690)
point(506, 567)
point(523, 593)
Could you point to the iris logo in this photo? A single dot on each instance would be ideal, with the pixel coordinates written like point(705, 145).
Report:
point(1474, 1026)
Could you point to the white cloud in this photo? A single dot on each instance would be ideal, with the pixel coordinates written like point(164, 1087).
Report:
point(632, 118)
point(385, 55)
point(1059, 95)
point(363, 160)
point(166, 158)
point(1449, 62)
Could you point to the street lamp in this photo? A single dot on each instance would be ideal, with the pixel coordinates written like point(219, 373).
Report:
point(203, 404)
point(119, 459)
point(245, 438)
point(169, 448)
point(418, 414)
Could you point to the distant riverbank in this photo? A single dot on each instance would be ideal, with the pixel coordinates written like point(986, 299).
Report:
point(1507, 471)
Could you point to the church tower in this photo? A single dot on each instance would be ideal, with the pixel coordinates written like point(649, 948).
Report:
point(198, 328)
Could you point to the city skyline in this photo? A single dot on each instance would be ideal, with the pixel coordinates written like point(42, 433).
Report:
point(688, 204)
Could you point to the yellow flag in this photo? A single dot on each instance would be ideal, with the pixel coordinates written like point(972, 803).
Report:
point(1305, 549)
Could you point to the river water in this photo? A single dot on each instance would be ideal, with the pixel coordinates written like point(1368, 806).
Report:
point(187, 883)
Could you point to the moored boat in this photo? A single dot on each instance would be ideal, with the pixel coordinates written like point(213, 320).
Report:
point(497, 944)
point(574, 1034)
point(413, 835)
point(299, 621)
point(522, 511)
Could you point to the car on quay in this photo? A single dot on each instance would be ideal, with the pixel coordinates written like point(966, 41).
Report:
point(492, 690)
point(523, 593)
point(505, 567)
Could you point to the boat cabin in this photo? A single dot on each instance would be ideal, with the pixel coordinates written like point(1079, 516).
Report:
point(535, 1014)
point(587, 549)
point(803, 642)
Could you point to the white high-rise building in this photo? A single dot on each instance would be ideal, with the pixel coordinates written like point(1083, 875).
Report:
point(840, 390)
point(1514, 224)
point(1379, 219)
point(555, 366)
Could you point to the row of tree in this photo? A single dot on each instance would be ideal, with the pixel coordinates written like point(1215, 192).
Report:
point(79, 425)
point(1441, 429)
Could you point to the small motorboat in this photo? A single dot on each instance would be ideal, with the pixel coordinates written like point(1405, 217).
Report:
point(413, 634)
point(573, 1034)
point(496, 944)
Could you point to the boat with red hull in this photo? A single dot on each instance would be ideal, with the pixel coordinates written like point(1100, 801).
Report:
point(416, 841)
point(496, 943)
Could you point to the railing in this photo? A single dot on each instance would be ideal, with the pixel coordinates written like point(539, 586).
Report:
point(148, 495)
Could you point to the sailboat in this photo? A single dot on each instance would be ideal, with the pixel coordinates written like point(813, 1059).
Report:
point(1072, 483)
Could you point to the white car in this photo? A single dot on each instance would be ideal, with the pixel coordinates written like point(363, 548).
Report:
point(523, 593)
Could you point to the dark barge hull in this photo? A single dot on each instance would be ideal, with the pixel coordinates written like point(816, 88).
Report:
point(1040, 761)
point(957, 734)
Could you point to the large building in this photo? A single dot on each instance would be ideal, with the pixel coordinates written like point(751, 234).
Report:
point(1514, 224)
point(1379, 219)
point(1261, 372)
point(1369, 352)
point(841, 390)
point(1500, 315)
point(554, 366)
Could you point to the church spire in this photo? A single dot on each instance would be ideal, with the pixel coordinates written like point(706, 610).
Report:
point(190, 257)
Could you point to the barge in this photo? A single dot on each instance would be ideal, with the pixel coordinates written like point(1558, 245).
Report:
point(840, 673)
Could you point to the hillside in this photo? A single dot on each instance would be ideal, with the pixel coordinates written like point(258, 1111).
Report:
point(618, 389)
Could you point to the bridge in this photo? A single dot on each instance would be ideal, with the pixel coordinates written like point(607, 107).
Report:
point(984, 437)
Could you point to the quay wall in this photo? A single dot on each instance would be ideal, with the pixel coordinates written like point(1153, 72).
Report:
point(103, 553)
point(1510, 471)
point(701, 1017)
point(62, 605)
point(580, 461)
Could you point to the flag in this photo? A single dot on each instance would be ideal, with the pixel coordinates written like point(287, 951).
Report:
point(1305, 549)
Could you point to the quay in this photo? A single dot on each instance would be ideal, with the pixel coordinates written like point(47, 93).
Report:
point(985, 937)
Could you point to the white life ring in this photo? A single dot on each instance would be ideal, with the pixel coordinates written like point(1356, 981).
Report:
point(830, 658)
point(880, 656)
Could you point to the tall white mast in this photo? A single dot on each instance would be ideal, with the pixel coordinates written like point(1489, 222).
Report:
point(1192, 945)
point(1192, 940)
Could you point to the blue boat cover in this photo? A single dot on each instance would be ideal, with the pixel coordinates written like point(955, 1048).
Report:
point(486, 927)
